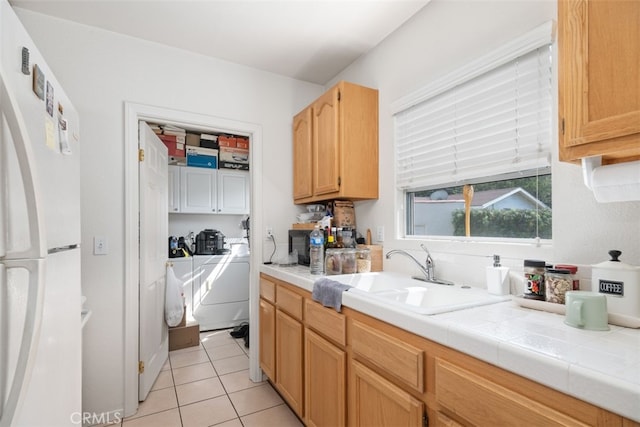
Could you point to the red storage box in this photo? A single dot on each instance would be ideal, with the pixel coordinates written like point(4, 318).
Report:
point(227, 141)
point(242, 142)
point(175, 148)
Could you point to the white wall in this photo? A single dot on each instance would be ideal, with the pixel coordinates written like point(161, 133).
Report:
point(441, 37)
point(101, 70)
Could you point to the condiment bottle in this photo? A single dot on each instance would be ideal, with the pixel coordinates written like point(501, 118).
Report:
point(534, 279)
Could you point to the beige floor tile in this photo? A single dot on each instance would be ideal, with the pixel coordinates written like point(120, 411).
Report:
point(199, 390)
point(255, 399)
point(191, 373)
point(216, 338)
point(187, 349)
point(181, 360)
point(157, 401)
point(237, 381)
point(164, 380)
point(166, 366)
point(208, 412)
point(231, 364)
point(233, 423)
point(170, 418)
point(279, 416)
point(224, 351)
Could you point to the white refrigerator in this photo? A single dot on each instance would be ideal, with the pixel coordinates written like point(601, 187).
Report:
point(40, 292)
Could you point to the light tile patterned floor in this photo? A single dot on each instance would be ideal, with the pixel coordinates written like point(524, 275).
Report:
point(209, 385)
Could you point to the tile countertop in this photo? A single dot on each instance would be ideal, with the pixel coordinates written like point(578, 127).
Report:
point(602, 368)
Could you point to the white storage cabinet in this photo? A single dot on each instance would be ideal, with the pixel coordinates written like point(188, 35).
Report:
point(203, 190)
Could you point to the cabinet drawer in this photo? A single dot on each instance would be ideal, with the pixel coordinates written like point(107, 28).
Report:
point(482, 402)
point(398, 359)
point(326, 321)
point(268, 290)
point(289, 301)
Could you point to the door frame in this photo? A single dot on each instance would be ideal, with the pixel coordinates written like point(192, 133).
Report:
point(134, 112)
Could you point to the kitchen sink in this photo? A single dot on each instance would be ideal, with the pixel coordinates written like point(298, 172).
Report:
point(417, 296)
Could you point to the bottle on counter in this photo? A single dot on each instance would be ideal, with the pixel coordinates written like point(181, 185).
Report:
point(534, 279)
point(316, 251)
point(339, 241)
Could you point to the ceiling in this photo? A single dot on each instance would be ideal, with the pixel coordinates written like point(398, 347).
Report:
point(309, 40)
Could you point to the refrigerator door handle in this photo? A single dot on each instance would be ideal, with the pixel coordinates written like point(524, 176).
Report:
point(30, 335)
point(13, 123)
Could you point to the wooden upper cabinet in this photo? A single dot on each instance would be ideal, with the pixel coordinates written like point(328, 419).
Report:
point(326, 147)
point(341, 129)
point(302, 155)
point(599, 88)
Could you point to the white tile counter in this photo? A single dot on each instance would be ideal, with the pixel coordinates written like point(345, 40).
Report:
point(599, 367)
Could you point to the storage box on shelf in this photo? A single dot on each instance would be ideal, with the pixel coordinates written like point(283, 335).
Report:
point(202, 157)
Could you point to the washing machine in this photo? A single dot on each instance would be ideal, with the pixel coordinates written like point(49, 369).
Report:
point(220, 290)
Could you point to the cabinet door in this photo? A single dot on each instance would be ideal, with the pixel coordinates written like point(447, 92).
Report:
point(174, 189)
point(233, 192)
point(198, 190)
point(268, 339)
point(302, 155)
point(325, 376)
point(289, 372)
point(599, 63)
point(326, 143)
point(374, 401)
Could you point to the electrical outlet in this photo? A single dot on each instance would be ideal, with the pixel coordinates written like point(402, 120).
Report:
point(380, 233)
point(269, 233)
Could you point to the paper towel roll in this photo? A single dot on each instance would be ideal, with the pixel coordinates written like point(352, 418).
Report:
point(616, 183)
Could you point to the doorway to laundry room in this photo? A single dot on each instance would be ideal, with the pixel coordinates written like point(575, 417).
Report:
point(231, 199)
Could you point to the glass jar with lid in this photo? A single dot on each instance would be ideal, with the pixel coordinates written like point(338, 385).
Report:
point(349, 261)
point(557, 282)
point(333, 261)
point(363, 260)
point(534, 279)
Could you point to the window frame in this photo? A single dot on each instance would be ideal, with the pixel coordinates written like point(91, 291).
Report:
point(538, 37)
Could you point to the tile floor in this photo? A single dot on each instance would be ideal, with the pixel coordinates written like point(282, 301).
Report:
point(209, 385)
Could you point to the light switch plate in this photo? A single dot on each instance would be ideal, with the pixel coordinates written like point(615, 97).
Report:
point(380, 233)
point(100, 246)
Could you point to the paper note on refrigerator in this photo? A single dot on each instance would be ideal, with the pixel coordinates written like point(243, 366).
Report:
point(50, 133)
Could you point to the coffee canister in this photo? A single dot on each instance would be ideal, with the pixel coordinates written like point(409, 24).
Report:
point(620, 283)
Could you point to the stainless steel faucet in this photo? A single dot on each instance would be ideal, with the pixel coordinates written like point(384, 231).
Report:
point(424, 269)
point(428, 269)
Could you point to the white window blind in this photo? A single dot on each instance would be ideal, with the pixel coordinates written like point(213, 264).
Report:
point(497, 123)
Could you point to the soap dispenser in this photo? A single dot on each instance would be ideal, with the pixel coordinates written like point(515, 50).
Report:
point(498, 278)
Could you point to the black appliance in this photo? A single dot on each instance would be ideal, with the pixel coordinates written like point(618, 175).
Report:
point(299, 241)
point(210, 242)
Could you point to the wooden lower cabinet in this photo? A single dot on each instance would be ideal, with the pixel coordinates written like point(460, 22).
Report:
point(374, 401)
point(289, 361)
point(325, 382)
point(336, 368)
point(268, 339)
point(480, 401)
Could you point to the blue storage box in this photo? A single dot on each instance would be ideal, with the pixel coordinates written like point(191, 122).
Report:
point(202, 157)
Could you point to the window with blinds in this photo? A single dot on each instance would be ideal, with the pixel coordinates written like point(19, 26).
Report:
point(492, 131)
